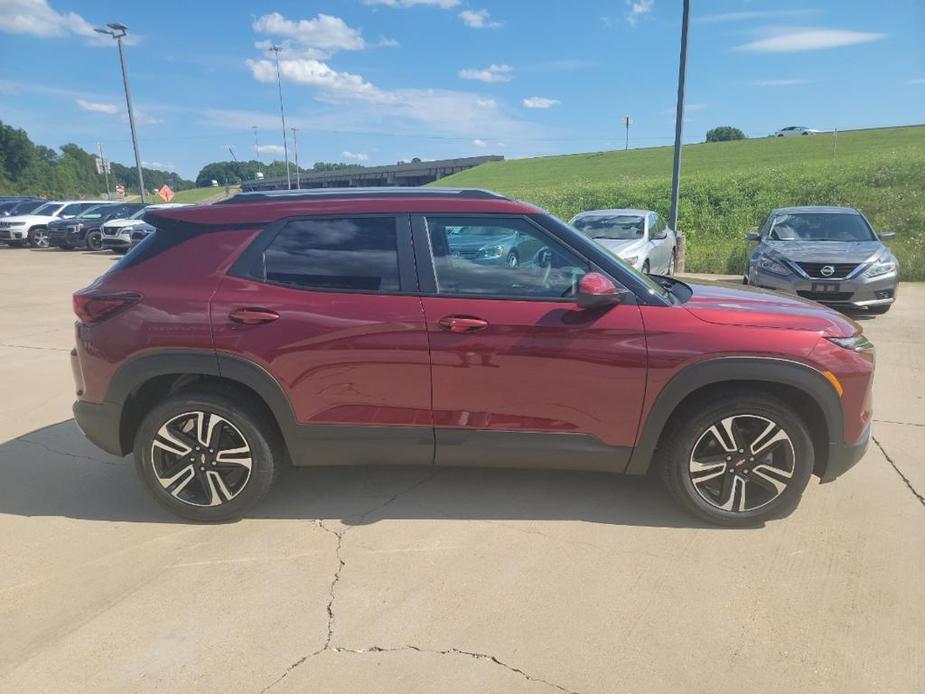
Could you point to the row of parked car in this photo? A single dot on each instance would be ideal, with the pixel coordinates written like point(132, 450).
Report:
point(69, 224)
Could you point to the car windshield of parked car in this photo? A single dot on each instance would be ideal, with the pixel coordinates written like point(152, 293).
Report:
point(92, 213)
point(820, 227)
point(26, 207)
point(615, 227)
point(48, 209)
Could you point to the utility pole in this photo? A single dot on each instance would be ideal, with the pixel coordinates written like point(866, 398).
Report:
point(282, 115)
point(627, 121)
point(295, 146)
point(678, 132)
point(118, 31)
point(105, 165)
point(256, 144)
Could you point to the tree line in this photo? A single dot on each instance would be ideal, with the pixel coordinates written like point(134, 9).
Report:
point(233, 172)
point(69, 172)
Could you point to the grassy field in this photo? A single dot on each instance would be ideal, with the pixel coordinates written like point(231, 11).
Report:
point(728, 187)
point(194, 195)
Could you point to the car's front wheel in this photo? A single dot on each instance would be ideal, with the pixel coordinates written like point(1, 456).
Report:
point(94, 241)
point(38, 237)
point(737, 460)
point(205, 456)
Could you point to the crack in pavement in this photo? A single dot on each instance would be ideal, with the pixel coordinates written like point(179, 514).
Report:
point(50, 349)
point(67, 453)
point(905, 424)
point(905, 479)
point(332, 595)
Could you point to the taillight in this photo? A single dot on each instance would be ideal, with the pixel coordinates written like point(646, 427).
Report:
point(92, 306)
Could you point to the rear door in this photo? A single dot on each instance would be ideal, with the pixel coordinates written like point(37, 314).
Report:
point(328, 306)
point(521, 375)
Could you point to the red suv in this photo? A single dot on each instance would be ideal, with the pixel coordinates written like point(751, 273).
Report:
point(451, 327)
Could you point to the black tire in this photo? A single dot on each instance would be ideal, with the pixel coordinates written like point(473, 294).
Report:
point(40, 239)
point(687, 431)
point(672, 263)
point(879, 310)
point(258, 431)
point(94, 241)
point(513, 260)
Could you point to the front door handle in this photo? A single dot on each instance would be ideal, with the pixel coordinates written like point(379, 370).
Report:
point(462, 324)
point(253, 316)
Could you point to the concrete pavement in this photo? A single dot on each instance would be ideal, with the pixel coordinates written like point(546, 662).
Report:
point(406, 580)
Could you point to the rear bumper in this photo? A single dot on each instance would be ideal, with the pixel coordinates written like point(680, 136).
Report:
point(99, 422)
point(844, 456)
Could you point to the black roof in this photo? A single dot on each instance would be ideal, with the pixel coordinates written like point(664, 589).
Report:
point(374, 192)
point(815, 209)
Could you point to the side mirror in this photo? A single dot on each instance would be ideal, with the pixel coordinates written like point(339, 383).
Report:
point(752, 235)
point(596, 290)
point(886, 235)
point(660, 235)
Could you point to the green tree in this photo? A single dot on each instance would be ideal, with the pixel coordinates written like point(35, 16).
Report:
point(724, 133)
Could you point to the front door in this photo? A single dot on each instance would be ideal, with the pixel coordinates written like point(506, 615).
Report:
point(521, 375)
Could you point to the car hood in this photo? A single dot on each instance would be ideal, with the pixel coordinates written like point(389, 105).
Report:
point(120, 223)
point(725, 304)
point(623, 248)
point(29, 219)
point(827, 251)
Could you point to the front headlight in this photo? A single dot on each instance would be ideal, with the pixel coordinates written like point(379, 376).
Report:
point(767, 264)
point(882, 266)
point(491, 252)
point(856, 343)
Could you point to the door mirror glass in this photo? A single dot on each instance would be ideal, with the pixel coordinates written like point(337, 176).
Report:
point(886, 235)
point(596, 290)
point(752, 235)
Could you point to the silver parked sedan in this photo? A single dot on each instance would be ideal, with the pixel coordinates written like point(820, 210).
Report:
point(640, 237)
point(828, 254)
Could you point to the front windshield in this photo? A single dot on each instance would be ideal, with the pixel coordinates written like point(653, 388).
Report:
point(48, 209)
point(92, 213)
point(139, 214)
point(27, 207)
point(820, 226)
point(619, 227)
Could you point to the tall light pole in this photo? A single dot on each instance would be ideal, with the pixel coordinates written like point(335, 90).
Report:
point(282, 115)
point(678, 132)
point(256, 144)
point(118, 31)
point(295, 146)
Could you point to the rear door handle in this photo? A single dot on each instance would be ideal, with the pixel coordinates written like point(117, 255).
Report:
point(462, 324)
point(253, 316)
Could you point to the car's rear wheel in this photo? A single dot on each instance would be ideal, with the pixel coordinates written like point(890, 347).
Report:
point(94, 241)
point(737, 460)
point(645, 268)
point(38, 237)
point(672, 261)
point(206, 457)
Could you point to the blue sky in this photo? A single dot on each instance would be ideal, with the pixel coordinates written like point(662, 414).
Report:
point(376, 81)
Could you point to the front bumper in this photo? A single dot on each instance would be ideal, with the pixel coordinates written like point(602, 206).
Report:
point(844, 456)
point(64, 238)
point(857, 292)
point(13, 234)
point(117, 241)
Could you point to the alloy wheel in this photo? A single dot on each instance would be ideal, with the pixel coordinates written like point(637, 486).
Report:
point(201, 459)
point(40, 238)
point(742, 463)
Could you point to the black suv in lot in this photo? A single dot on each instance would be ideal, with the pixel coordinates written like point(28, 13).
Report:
point(83, 231)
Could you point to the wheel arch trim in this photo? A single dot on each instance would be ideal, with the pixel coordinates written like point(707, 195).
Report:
point(718, 370)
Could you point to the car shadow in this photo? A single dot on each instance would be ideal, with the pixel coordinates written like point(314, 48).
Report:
point(56, 472)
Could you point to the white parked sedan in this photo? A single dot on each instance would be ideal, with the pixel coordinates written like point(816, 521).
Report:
point(640, 237)
point(795, 130)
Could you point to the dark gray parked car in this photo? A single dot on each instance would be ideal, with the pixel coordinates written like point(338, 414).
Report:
point(828, 254)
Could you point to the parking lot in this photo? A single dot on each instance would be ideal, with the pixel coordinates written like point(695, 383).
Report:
point(366, 580)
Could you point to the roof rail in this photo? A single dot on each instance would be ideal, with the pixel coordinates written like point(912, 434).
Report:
point(375, 192)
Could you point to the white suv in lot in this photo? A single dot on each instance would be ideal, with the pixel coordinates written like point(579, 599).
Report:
point(117, 233)
point(32, 229)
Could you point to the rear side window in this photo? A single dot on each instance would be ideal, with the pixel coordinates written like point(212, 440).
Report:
point(347, 254)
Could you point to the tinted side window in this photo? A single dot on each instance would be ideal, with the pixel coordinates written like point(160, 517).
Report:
point(353, 254)
point(500, 257)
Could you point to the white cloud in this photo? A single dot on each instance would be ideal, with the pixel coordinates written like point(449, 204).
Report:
point(38, 18)
point(777, 83)
point(540, 102)
point(479, 19)
point(143, 118)
point(316, 74)
point(486, 103)
point(159, 165)
point(491, 74)
point(807, 39)
point(324, 32)
point(356, 156)
point(479, 143)
point(917, 80)
point(97, 107)
point(753, 14)
point(638, 10)
point(268, 149)
point(404, 4)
